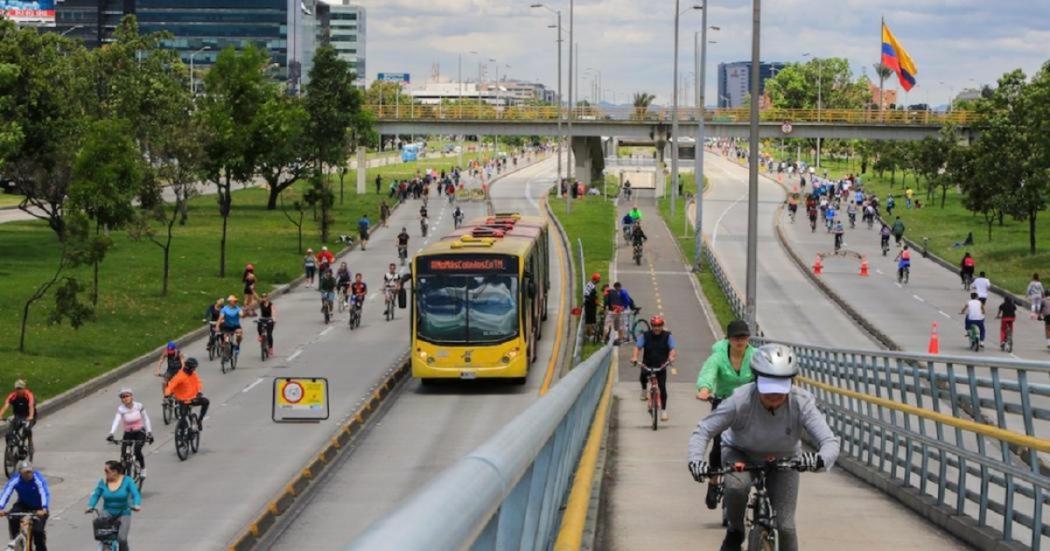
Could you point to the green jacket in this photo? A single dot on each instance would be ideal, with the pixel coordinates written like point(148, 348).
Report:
point(718, 374)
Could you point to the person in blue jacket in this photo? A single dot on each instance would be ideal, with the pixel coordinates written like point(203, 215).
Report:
point(33, 497)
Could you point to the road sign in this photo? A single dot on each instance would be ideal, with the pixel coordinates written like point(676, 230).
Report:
point(395, 77)
point(786, 128)
point(300, 399)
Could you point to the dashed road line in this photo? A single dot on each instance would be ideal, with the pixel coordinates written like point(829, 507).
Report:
point(943, 313)
point(918, 298)
point(253, 385)
point(295, 355)
point(325, 332)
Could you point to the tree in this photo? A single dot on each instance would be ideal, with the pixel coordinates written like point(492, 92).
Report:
point(295, 214)
point(798, 85)
point(107, 175)
point(1030, 193)
point(320, 196)
point(236, 87)
point(332, 101)
point(278, 133)
point(883, 73)
point(10, 131)
point(641, 103)
point(388, 93)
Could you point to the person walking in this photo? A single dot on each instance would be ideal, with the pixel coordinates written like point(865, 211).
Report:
point(1035, 293)
point(310, 267)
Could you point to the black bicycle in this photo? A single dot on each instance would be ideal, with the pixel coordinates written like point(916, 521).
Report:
point(19, 445)
point(227, 353)
point(638, 254)
point(761, 521)
point(356, 304)
point(264, 337)
point(187, 437)
point(167, 409)
point(127, 459)
point(213, 340)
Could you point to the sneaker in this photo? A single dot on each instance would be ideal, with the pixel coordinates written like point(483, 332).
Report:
point(270, 351)
point(732, 541)
point(142, 473)
point(664, 416)
point(711, 500)
point(982, 345)
point(645, 394)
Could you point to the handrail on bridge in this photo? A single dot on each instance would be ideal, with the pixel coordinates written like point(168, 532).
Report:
point(427, 112)
point(508, 492)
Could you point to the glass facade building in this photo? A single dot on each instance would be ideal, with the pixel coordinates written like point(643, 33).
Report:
point(734, 81)
point(344, 27)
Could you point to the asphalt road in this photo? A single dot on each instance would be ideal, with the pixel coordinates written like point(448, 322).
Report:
point(426, 429)
point(245, 458)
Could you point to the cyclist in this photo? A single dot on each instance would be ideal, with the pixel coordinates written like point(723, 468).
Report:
point(326, 285)
point(966, 266)
point(211, 315)
point(903, 262)
point(626, 224)
point(1008, 313)
point(343, 279)
point(627, 189)
point(423, 221)
point(758, 421)
point(23, 410)
point(187, 388)
point(362, 230)
point(391, 284)
point(636, 215)
point(829, 217)
point(402, 244)
point(811, 212)
point(423, 212)
point(657, 348)
point(267, 316)
point(34, 496)
point(173, 357)
point(358, 292)
point(131, 415)
point(325, 258)
point(884, 237)
point(638, 236)
point(120, 496)
point(230, 321)
point(793, 206)
point(457, 215)
point(898, 230)
point(726, 369)
point(840, 234)
point(981, 285)
point(974, 310)
point(851, 213)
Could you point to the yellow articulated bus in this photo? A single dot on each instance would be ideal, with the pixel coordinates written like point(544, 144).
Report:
point(480, 298)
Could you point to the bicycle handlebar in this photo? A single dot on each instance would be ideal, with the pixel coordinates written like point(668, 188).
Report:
point(785, 464)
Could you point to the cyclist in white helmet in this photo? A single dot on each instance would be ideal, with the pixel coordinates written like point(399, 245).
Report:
point(760, 421)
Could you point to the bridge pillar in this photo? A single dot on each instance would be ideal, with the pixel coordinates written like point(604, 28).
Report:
point(589, 160)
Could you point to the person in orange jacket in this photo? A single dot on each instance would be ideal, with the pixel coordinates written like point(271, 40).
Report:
point(187, 388)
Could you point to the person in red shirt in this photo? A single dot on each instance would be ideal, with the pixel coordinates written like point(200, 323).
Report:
point(187, 388)
point(325, 258)
point(23, 408)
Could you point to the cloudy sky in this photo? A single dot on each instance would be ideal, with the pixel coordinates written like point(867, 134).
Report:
point(955, 43)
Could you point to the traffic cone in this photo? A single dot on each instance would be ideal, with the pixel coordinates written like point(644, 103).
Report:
point(864, 266)
point(818, 266)
point(935, 341)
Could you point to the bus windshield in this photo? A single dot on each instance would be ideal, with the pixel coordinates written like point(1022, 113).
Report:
point(467, 309)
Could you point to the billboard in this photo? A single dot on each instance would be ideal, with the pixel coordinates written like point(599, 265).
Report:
point(30, 12)
point(395, 77)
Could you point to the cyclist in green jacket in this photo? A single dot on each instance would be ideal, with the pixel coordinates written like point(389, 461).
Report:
point(727, 368)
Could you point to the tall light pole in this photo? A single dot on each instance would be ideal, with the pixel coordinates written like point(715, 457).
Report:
point(674, 106)
point(698, 166)
point(751, 286)
point(193, 88)
point(473, 52)
point(569, 171)
point(561, 136)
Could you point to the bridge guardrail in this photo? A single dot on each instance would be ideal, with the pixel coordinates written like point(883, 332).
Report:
point(663, 114)
point(508, 492)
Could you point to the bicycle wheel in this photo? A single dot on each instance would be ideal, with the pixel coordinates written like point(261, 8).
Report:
point(182, 441)
point(211, 348)
point(639, 327)
point(233, 357)
point(10, 459)
point(225, 359)
point(166, 411)
point(327, 313)
point(654, 405)
point(763, 539)
point(195, 435)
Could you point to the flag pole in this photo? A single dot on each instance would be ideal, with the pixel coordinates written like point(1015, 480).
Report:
point(882, 81)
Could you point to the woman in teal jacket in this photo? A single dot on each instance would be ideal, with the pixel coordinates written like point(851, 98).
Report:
point(728, 367)
point(120, 496)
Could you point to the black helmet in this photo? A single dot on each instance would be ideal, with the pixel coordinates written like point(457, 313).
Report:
point(191, 364)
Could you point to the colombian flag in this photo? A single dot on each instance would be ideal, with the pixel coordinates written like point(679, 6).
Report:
point(896, 57)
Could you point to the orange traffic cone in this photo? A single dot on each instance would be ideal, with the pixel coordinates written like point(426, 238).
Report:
point(818, 266)
point(864, 266)
point(935, 341)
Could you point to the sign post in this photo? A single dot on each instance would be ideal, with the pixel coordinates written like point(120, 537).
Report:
point(300, 399)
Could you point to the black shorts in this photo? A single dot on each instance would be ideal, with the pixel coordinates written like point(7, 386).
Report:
point(590, 313)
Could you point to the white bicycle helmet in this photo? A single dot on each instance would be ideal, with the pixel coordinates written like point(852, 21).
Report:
point(775, 361)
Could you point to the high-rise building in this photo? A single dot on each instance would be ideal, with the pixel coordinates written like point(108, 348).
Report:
point(734, 81)
point(345, 29)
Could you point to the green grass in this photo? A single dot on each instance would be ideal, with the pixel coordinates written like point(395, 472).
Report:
point(1005, 256)
point(708, 285)
point(10, 200)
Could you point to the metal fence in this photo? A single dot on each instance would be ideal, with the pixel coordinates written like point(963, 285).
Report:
point(962, 431)
point(506, 494)
point(736, 300)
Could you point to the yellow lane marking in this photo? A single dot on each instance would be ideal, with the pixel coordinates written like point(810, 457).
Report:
point(559, 333)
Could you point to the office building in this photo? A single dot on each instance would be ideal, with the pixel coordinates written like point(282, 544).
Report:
point(505, 93)
point(734, 81)
point(345, 29)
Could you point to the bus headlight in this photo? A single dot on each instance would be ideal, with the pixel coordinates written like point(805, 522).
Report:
point(505, 359)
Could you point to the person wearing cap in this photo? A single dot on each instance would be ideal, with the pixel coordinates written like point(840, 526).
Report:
point(726, 369)
point(132, 417)
point(760, 421)
point(230, 320)
point(590, 303)
point(657, 349)
point(325, 258)
point(172, 357)
point(33, 497)
point(23, 410)
point(309, 267)
point(187, 388)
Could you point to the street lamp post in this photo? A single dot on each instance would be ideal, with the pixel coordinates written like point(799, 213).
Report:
point(193, 87)
point(751, 285)
point(569, 172)
point(674, 107)
point(698, 167)
point(561, 136)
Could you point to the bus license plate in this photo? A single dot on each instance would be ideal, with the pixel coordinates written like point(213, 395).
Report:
point(468, 375)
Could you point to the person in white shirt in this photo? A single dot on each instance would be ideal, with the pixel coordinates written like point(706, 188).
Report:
point(981, 286)
point(974, 311)
point(137, 427)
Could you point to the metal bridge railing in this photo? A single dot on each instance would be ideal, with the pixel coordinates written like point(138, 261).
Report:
point(659, 114)
point(962, 431)
point(507, 493)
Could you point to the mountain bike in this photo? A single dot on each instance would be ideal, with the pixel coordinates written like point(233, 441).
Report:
point(634, 326)
point(1008, 343)
point(127, 459)
point(106, 530)
point(761, 521)
point(356, 305)
point(326, 308)
point(903, 273)
point(167, 408)
point(343, 299)
point(187, 437)
point(212, 339)
point(24, 539)
point(19, 445)
point(228, 353)
point(264, 337)
point(967, 281)
point(653, 399)
point(423, 226)
point(638, 255)
point(974, 335)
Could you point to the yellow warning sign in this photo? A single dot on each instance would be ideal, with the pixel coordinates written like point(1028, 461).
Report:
point(300, 398)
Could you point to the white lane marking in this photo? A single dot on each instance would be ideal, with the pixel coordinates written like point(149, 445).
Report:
point(325, 332)
point(878, 271)
point(943, 313)
point(899, 286)
point(253, 385)
point(918, 298)
point(295, 355)
point(714, 233)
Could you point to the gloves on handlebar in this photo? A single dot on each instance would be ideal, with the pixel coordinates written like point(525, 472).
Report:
point(698, 469)
point(110, 438)
point(810, 461)
point(149, 437)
